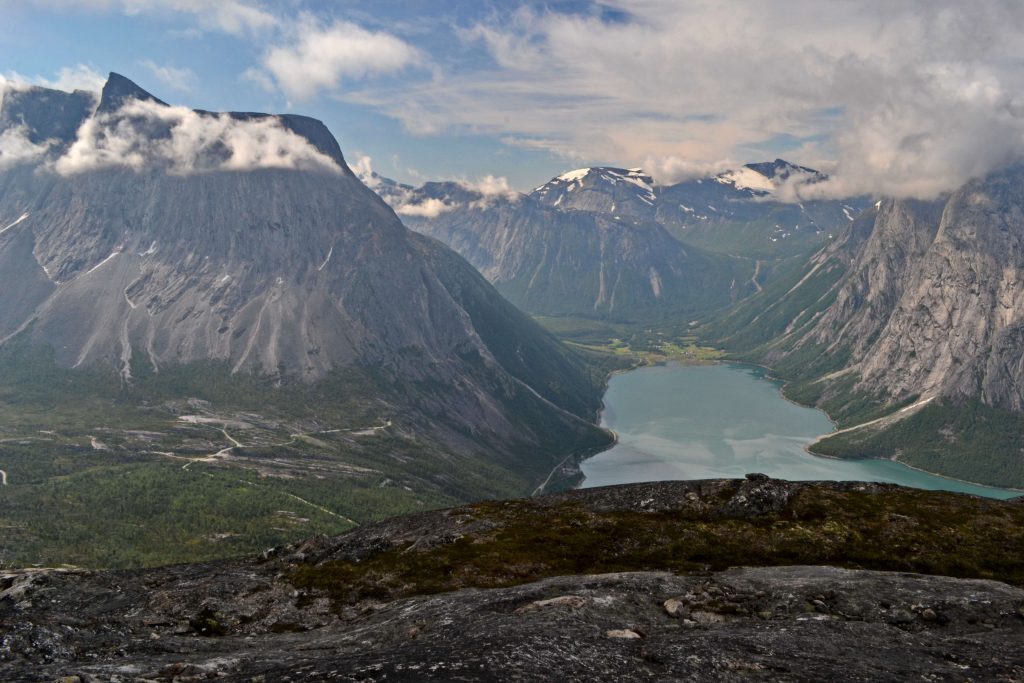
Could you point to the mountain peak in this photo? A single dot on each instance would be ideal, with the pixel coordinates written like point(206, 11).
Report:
point(781, 169)
point(622, 191)
point(763, 178)
point(118, 90)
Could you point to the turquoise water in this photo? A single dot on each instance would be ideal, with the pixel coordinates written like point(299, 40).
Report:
point(711, 421)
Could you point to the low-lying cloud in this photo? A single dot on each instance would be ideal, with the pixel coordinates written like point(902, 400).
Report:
point(182, 141)
point(430, 207)
point(17, 148)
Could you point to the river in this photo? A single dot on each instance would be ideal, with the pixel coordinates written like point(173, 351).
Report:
point(724, 420)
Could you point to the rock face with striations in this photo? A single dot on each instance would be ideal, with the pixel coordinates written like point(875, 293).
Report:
point(581, 255)
point(144, 236)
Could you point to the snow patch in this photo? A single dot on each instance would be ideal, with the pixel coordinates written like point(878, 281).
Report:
point(746, 179)
point(570, 176)
point(104, 261)
point(19, 219)
point(655, 283)
point(326, 260)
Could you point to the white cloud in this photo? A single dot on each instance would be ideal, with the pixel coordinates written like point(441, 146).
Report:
point(490, 186)
point(491, 190)
point(15, 145)
point(363, 168)
point(428, 208)
point(195, 143)
point(180, 79)
point(319, 57)
point(16, 148)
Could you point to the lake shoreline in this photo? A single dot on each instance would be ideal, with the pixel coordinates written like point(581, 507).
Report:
point(702, 424)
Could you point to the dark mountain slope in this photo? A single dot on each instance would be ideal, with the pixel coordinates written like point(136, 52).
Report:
point(580, 263)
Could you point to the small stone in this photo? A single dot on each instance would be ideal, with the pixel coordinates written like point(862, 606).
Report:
point(928, 614)
point(626, 633)
point(569, 601)
point(764, 615)
point(676, 609)
point(901, 616)
point(69, 679)
point(820, 606)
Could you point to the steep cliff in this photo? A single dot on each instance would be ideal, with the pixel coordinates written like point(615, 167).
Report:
point(575, 262)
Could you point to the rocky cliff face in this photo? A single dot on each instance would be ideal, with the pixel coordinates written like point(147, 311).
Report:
point(958, 328)
point(572, 247)
point(930, 305)
point(638, 588)
point(144, 236)
point(583, 263)
point(607, 242)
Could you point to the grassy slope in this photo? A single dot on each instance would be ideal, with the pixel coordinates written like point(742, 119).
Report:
point(147, 493)
point(895, 529)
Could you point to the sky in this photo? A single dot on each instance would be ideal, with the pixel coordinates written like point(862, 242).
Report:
point(899, 98)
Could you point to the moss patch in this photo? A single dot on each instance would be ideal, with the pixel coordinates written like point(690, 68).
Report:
point(899, 529)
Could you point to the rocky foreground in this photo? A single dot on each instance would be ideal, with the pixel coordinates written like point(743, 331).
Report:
point(619, 584)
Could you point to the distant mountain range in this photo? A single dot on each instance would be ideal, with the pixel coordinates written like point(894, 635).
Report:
point(609, 243)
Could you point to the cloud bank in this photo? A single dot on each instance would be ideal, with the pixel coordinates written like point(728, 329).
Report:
point(182, 141)
point(901, 97)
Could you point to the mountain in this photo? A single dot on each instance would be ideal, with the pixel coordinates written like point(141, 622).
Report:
point(755, 211)
point(608, 243)
point(910, 322)
point(610, 191)
point(158, 259)
point(560, 261)
point(715, 580)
